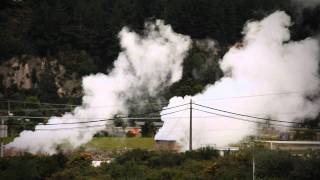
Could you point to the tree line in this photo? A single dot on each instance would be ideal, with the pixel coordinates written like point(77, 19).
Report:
point(82, 35)
point(52, 27)
point(204, 163)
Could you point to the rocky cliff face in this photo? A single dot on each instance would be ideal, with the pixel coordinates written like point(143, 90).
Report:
point(25, 72)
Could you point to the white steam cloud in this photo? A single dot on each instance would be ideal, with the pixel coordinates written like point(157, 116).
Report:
point(306, 3)
point(265, 62)
point(149, 63)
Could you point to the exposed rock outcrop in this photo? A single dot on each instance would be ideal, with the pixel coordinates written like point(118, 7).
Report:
point(25, 72)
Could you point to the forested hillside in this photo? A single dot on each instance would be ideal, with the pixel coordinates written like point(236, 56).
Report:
point(82, 37)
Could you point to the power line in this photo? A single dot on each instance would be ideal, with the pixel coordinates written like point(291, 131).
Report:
point(35, 110)
point(35, 103)
point(159, 102)
point(104, 119)
point(252, 96)
point(53, 129)
point(174, 112)
point(76, 105)
point(245, 115)
point(241, 119)
point(68, 128)
point(47, 117)
point(136, 116)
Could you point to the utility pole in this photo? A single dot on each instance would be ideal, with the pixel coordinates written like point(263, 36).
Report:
point(3, 134)
point(9, 108)
point(253, 162)
point(190, 136)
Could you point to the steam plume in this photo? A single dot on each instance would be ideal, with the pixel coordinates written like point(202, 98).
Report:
point(306, 3)
point(265, 62)
point(150, 63)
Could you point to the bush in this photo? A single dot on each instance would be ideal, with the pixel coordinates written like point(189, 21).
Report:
point(118, 122)
point(130, 134)
point(166, 159)
point(165, 174)
point(148, 129)
point(31, 167)
point(277, 164)
point(307, 168)
point(137, 155)
point(129, 170)
point(205, 153)
point(101, 134)
point(78, 61)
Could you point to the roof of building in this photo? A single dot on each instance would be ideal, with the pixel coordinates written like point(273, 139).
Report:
point(164, 140)
point(162, 136)
point(227, 148)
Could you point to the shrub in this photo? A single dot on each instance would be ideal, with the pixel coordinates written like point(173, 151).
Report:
point(205, 153)
point(102, 134)
point(130, 134)
point(137, 155)
point(166, 159)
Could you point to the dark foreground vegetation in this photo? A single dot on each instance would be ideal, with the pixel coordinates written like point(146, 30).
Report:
point(140, 164)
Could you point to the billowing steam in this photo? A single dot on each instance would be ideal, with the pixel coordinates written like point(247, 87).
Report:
point(149, 63)
point(267, 64)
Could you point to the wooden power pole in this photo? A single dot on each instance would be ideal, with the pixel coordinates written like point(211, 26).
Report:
point(190, 135)
point(3, 134)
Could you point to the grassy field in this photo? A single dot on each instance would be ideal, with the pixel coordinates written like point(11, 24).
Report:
point(110, 143)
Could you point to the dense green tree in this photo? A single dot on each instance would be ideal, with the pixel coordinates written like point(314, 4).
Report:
point(31, 167)
point(273, 164)
point(304, 169)
point(47, 89)
point(148, 129)
point(142, 164)
point(78, 62)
